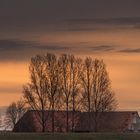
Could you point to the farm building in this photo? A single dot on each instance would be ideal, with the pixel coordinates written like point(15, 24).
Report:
point(127, 121)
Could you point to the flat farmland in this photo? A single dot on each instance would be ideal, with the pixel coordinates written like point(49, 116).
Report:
point(70, 136)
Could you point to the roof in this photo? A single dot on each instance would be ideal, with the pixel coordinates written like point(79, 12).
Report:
point(84, 121)
point(106, 121)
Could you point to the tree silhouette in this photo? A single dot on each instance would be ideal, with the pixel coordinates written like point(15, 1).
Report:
point(68, 83)
point(52, 79)
point(75, 72)
point(35, 92)
point(13, 113)
point(97, 92)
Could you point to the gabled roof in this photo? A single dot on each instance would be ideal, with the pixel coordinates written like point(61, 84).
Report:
point(107, 121)
point(84, 121)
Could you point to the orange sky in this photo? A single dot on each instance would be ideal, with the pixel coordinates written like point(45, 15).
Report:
point(13, 76)
point(123, 70)
point(118, 46)
point(107, 29)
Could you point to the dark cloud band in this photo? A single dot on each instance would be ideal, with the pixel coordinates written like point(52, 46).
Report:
point(137, 50)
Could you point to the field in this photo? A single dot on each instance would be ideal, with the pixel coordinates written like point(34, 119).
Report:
point(77, 136)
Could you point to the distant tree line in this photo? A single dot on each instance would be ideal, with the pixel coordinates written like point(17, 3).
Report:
point(13, 113)
point(68, 83)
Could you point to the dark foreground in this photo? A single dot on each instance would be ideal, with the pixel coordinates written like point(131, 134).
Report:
point(77, 136)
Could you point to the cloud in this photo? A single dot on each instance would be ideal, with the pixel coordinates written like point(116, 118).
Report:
point(12, 49)
point(137, 50)
point(51, 47)
point(35, 14)
point(10, 87)
point(20, 50)
point(13, 44)
point(18, 45)
point(102, 48)
point(17, 50)
point(77, 29)
point(2, 110)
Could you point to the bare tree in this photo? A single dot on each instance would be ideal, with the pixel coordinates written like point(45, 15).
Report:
point(55, 82)
point(35, 92)
point(103, 98)
point(75, 72)
point(70, 68)
point(42, 92)
point(87, 82)
point(52, 78)
point(65, 84)
point(87, 85)
point(98, 95)
point(13, 113)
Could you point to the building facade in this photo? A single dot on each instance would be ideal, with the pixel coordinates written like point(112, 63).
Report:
point(126, 121)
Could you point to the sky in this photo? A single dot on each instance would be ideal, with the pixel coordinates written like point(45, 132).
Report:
point(103, 29)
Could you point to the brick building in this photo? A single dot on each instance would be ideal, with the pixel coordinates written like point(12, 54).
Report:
point(127, 121)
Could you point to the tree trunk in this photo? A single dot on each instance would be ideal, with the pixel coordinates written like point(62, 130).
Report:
point(43, 128)
point(43, 121)
point(73, 115)
point(67, 116)
point(73, 120)
point(95, 122)
point(89, 112)
point(53, 117)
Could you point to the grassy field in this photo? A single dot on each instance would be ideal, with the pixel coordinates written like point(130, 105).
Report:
point(78, 136)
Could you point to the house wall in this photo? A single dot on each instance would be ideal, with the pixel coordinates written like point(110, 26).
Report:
point(106, 122)
point(134, 125)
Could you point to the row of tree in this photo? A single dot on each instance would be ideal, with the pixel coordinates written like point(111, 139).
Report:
point(67, 83)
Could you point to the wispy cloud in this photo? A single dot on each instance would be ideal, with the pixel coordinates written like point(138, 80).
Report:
point(102, 48)
point(13, 44)
point(24, 15)
point(136, 50)
point(17, 50)
point(21, 50)
point(51, 47)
